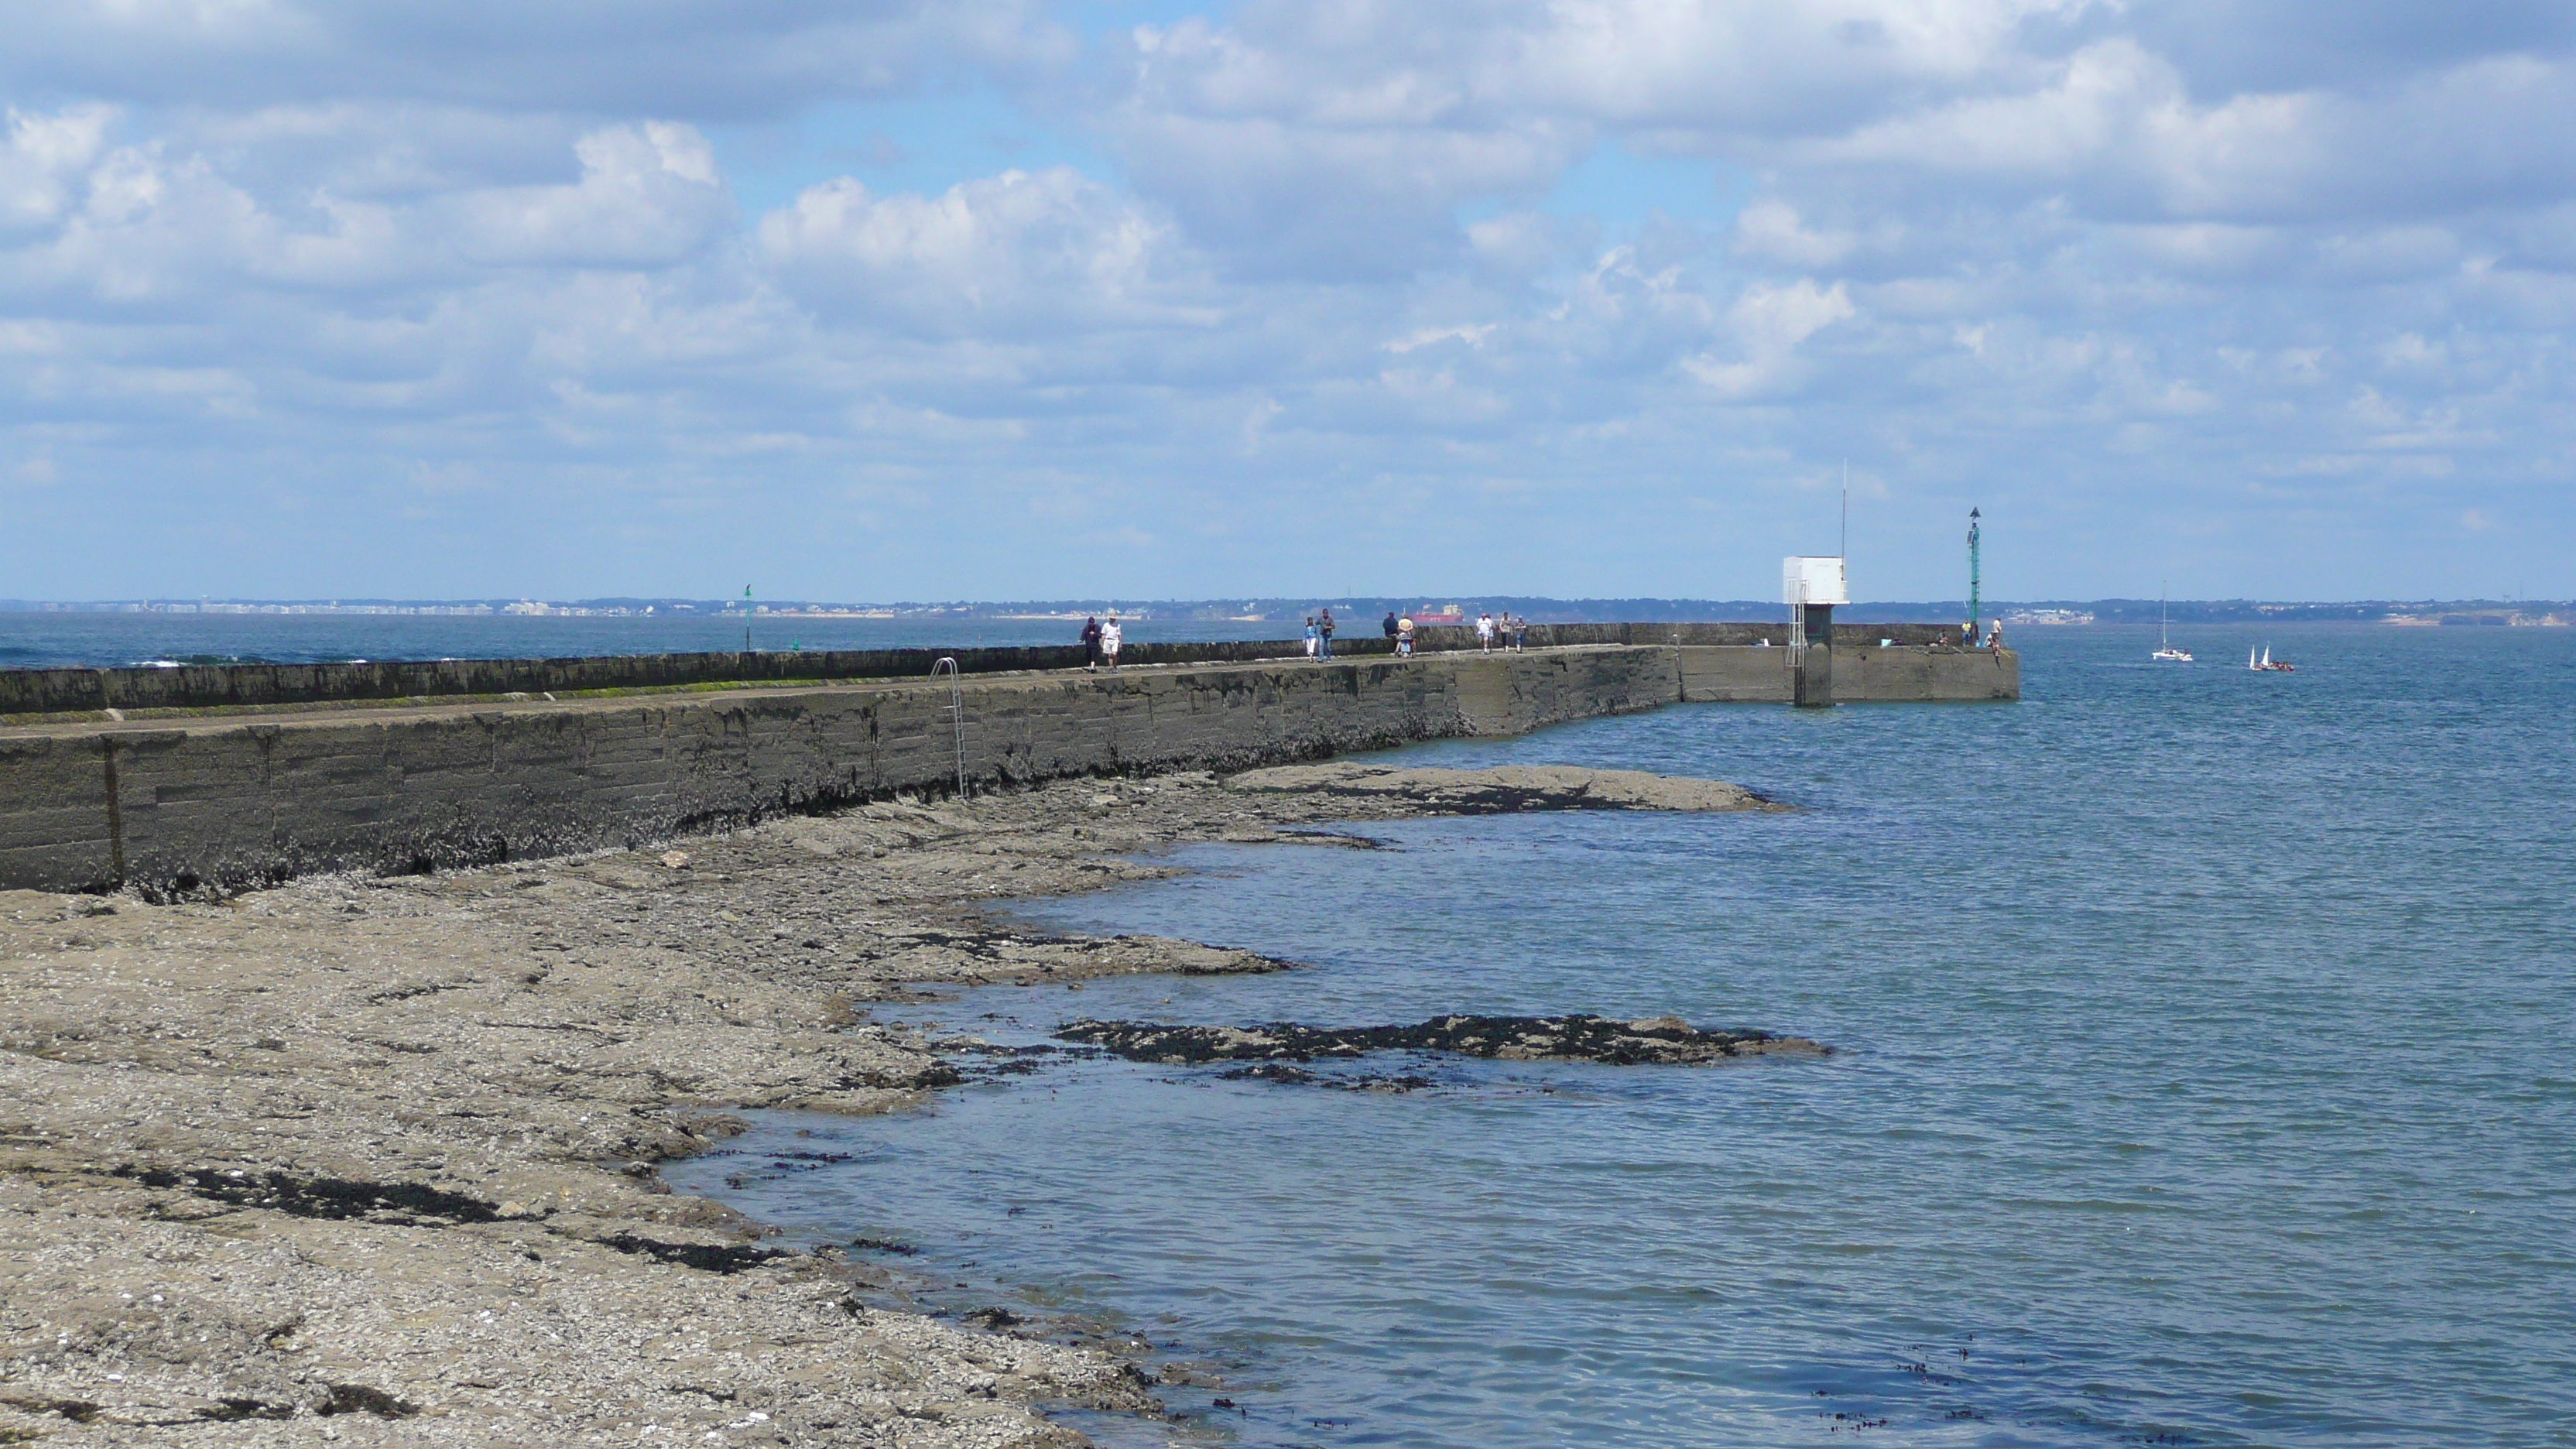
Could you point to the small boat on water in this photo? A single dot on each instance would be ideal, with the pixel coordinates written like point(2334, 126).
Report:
point(2283, 666)
point(2164, 645)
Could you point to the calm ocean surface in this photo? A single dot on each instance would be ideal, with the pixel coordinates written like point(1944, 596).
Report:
point(2206, 1076)
point(41, 640)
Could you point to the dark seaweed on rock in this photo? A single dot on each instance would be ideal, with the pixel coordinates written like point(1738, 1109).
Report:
point(1662, 1040)
point(705, 1257)
point(1287, 1075)
point(334, 1198)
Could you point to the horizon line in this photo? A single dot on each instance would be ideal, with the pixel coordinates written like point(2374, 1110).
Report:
point(158, 603)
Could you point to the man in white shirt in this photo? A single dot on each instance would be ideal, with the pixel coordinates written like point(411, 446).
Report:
point(1485, 632)
point(1109, 639)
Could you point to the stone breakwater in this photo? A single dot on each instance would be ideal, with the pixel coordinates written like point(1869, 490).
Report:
point(370, 1160)
point(219, 800)
point(36, 692)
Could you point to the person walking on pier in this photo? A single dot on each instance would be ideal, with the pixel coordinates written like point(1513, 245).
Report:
point(1485, 631)
point(1404, 636)
point(1324, 633)
point(1520, 634)
point(1312, 638)
point(1091, 643)
point(1109, 641)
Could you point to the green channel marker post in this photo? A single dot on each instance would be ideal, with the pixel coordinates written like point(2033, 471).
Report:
point(1973, 601)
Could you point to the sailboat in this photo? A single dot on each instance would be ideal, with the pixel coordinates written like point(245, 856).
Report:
point(2281, 667)
point(2164, 646)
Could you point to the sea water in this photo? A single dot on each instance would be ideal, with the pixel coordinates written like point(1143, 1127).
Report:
point(43, 639)
point(2203, 1074)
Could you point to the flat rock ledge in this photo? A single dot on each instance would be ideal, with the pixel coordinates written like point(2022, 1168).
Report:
point(1659, 1040)
point(1505, 788)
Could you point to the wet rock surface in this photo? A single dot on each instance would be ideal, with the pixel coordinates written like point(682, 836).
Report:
point(363, 1160)
point(1286, 1075)
point(1505, 788)
point(1664, 1041)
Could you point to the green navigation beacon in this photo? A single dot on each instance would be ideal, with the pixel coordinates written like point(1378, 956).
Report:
point(1973, 600)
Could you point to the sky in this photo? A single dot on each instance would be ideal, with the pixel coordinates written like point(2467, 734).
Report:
point(870, 300)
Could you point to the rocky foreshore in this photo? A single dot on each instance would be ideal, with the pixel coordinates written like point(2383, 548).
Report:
point(371, 1161)
point(1504, 788)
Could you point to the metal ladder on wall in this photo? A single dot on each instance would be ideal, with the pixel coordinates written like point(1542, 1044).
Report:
point(956, 713)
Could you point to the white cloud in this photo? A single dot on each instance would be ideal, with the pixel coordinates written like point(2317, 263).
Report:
point(2074, 255)
point(2118, 128)
point(1421, 337)
point(648, 195)
point(1767, 323)
point(42, 161)
point(1009, 253)
point(155, 225)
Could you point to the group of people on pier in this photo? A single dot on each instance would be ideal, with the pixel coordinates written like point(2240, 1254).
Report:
point(1319, 635)
point(1100, 640)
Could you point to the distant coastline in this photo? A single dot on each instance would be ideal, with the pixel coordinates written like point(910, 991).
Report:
point(1360, 611)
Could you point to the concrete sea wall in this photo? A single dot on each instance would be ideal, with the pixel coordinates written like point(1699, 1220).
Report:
point(242, 799)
